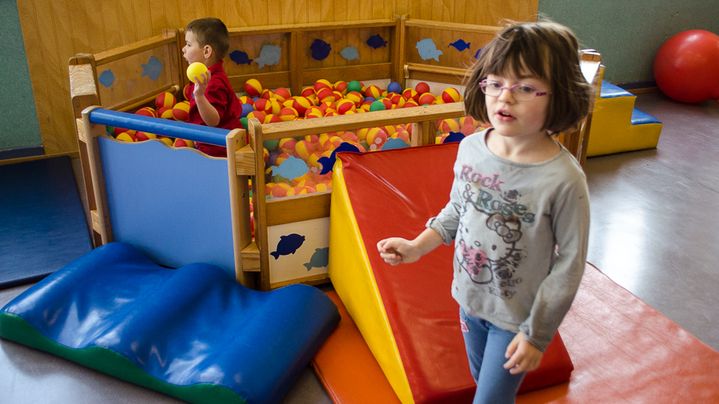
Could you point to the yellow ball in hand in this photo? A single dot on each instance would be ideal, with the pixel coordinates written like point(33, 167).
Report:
point(195, 71)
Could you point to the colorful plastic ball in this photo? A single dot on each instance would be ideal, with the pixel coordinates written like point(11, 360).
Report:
point(377, 106)
point(320, 84)
point(686, 67)
point(287, 145)
point(253, 88)
point(282, 94)
point(388, 104)
point(165, 100)
point(264, 105)
point(187, 92)
point(300, 104)
point(147, 111)
point(165, 113)
point(165, 140)
point(303, 149)
point(125, 137)
point(354, 85)
point(426, 99)
point(448, 125)
point(181, 111)
point(450, 94)
point(372, 91)
point(410, 94)
point(410, 103)
point(344, 105)
point(243, 122)
point(421, 87)
point(142, 136)
point(325, 94)
point(246, 109)
point(340, 86)
point(355, 96)
point(271, 144)
point(376, 137)
point(183, 143)
point(308, 91)
point(195, 71)
point(288, 114)
point(394, 87)
point(246, 100)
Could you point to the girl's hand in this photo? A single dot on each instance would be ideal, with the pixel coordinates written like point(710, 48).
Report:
point(201, 84)
point(396, 250)
point(522, 355)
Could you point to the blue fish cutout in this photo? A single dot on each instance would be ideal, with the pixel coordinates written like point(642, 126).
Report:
point(106, 78)
point(428, 50)
point(291, 168)
point(269, 55)
point(454, 137)
point(394, 143)
point(319, 259)
point(329, 162)
point(460, 45)
point(288, 244)
point(240, 57)
point(349, 53)
point(376, 41)
point(320, 49)
point(476, 54)
point(152, 68)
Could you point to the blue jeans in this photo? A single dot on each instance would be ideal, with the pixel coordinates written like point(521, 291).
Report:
point(486, 345)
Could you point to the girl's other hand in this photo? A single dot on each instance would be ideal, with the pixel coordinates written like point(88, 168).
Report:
point(522, 355)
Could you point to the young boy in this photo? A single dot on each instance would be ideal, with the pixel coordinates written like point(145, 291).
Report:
point(213, 102)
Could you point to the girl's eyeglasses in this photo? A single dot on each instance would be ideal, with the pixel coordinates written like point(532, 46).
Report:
point(520, 92)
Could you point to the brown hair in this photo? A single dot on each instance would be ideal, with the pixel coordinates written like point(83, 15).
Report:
point(545, 49)
point(213, 32)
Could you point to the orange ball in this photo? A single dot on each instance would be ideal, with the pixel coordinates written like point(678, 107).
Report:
point(165, 113)
point(287, 144)
point(181, 111)
point(300, 104)
point(425, 99)
point(288, 114)
point(421, 87)
point(147, 111)
point(322, 83)
point(165, 100)
point(450, 94)
point(253, 88)
point(125, 137)
point(282, 94)
point(373, 91)
point(183, 143)
point(345, 105)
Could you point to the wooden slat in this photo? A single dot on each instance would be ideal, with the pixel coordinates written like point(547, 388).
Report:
point(250, 258)
point(451, 26)
point(355, 121)
point(289, 210)
point(134, 48)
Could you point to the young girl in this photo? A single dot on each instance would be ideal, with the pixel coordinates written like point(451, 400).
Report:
point(518, 210)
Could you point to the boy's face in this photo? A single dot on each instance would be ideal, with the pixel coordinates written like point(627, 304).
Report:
point(193, 51)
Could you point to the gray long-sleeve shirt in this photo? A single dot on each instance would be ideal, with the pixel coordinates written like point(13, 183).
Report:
point(520, 233)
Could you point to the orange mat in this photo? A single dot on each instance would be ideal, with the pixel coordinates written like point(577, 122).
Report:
point(622, 350)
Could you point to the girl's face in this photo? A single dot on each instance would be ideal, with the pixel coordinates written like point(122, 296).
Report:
point(514, 117)
point(193, 51)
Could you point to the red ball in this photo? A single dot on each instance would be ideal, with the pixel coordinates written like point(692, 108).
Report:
point(686, 68)
point(421, 88)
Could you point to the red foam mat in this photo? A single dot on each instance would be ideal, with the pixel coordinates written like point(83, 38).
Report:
point(623, 352)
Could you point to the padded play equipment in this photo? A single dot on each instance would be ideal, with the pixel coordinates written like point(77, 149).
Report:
point(42, 220)
point(192, 333)
point(619, 127)
point(623, 352)
point(406, 313)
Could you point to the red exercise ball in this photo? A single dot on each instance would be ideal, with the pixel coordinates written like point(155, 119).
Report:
point(686, 68)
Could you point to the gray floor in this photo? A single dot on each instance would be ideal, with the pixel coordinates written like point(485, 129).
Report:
point(654, 231)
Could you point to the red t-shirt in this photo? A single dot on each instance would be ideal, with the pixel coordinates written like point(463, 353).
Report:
point(220, 94)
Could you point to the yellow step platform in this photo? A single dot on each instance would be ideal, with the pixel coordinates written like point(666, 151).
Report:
point(619, 127)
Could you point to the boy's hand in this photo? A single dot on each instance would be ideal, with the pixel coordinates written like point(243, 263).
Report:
point(201, 84)
point(396, 250)
point(522, 355)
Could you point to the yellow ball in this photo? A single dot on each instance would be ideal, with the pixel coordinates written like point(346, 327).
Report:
point(195, 71)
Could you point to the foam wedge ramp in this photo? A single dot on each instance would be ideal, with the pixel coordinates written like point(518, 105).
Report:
point(192, 333)
point(617, 126)
point(406, 313)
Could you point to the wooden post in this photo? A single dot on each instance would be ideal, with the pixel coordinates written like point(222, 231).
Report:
point(99, 216)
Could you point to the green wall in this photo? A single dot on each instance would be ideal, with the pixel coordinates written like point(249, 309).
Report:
point(19, 126)
point(628, 33)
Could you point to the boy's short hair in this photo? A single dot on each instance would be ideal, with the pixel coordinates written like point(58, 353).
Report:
point(545, 49)
point(213, 32)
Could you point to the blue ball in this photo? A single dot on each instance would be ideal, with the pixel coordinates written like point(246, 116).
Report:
point(246, 109)
point(394, 87)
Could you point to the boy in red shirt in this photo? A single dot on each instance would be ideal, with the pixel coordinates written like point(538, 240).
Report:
point(213, 101)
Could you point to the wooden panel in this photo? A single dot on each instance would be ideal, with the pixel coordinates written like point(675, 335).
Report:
point(55, 31)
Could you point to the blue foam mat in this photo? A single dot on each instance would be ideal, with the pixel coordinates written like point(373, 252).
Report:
point(192, 326)
point(42, 222)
